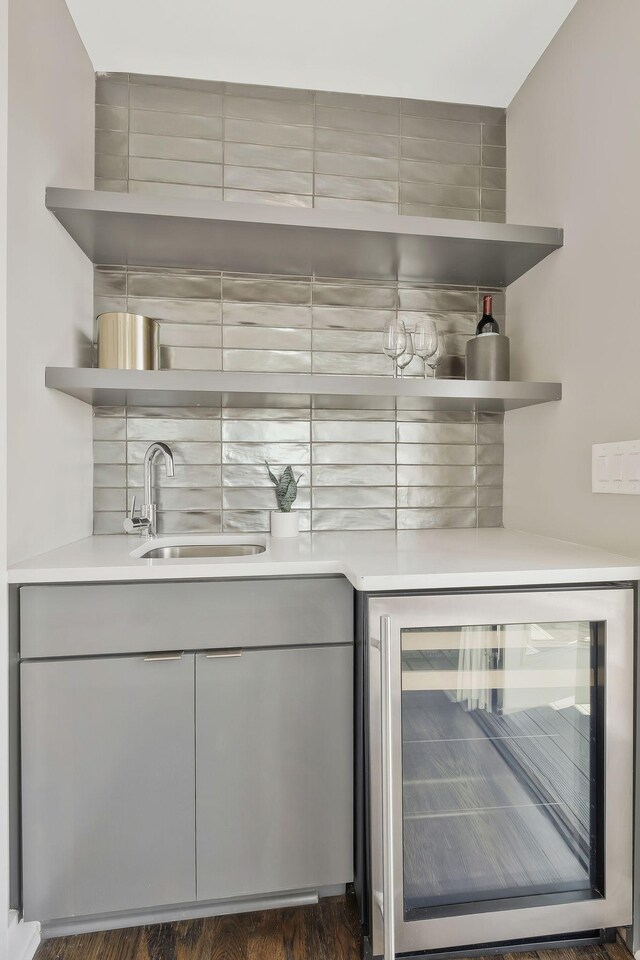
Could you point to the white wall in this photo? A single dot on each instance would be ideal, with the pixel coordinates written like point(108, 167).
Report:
point(50, 309)
point(467, 51)
point(4, 653)
point(573, 148)
point(45, 312)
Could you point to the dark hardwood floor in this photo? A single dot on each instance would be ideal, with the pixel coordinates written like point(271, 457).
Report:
point(327, 931)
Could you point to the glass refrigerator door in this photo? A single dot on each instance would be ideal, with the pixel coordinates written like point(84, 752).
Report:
point(501, 733)
point(501, 772)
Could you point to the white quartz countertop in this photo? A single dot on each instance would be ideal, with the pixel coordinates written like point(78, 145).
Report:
point(371, 560)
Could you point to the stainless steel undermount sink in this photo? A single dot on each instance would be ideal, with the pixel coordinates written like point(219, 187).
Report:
point(191, 550)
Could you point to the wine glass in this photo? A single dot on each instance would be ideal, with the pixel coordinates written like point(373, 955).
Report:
point(425, 340)
point(394, 340)
point(405, 358)
point(436, 358)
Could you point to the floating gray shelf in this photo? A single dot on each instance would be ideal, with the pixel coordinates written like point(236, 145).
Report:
point(153, 388)
point(121, 228)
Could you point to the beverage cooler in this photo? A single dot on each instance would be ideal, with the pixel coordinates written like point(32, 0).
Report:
point(495, 768)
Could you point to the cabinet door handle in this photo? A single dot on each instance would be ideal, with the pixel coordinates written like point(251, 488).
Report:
point(161, 656)
point(388, 910)
point(217, 654)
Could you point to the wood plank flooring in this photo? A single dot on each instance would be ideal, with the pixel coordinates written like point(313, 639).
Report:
point(328, 931)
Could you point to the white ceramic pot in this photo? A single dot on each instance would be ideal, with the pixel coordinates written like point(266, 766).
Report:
point(284, 524)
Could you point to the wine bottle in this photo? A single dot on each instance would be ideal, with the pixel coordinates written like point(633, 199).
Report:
point(488, 351)
point(487, 323)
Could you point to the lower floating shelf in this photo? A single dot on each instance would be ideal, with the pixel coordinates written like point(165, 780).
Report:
point(189, 388)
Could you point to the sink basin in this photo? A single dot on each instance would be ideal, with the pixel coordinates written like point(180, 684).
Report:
point(184, 551)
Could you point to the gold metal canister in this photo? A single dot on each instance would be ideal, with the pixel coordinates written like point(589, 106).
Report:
point(128, 341)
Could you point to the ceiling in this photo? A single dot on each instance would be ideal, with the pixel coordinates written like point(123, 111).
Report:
point(464, 51)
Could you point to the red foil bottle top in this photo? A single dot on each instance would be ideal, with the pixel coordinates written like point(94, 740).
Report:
point(487, 305)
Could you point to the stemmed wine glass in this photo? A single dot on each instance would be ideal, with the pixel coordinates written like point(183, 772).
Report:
point(425, 339)
point(409, 353)
point(394, 342)
point(436, 358)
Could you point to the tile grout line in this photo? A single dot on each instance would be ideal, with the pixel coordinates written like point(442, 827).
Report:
point(128, 133)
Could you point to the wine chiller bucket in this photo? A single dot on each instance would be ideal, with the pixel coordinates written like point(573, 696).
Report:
point(128, 341)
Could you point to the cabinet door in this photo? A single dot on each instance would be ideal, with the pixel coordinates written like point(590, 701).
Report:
point(108, 785)
point(274, 735)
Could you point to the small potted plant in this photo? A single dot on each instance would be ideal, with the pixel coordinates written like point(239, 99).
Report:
point(284, 523)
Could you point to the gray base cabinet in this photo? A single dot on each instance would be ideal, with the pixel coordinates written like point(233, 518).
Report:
point(107, 783)
point(93, 619)
point(274, 762)
point(153, 779)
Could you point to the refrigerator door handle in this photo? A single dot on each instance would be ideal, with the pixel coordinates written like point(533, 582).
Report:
point(387, 906)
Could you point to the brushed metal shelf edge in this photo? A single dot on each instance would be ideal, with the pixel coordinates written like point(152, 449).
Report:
point(193, 388)
point(166, 231)
point(107, 201)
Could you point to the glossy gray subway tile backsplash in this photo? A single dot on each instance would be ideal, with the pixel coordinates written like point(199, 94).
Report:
point(112, 92)
point(365, 463)
point(175, 148)
point(428, 171)
point(175, 171)
point(366, 121)
point(267, 338)
point(425, 519)
point(242, 195)
point(274, 158)
point(360, 519)
point(355, 188)
point(365, 458)
point(111, 118)
point(347, 145)
point(437, 496)
point(168, 189)
point(438, 110)
point(173, 284)
point(263, 92)
point(449, 130)
point(357, 101)
point(111, 167)
point(492, 216)
point(267, 110)
point(270, 134)
point(171, 99)
point(175, 125)
point(352, 165)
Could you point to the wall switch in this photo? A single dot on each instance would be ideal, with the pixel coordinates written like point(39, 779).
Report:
point(615, 467)
point(632, 461)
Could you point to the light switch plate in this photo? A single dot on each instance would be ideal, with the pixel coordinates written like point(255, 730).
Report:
point(615, 467)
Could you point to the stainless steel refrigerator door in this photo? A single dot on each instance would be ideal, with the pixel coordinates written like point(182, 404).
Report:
point(612, 610)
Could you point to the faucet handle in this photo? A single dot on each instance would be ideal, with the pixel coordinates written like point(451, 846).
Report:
point(133, 524)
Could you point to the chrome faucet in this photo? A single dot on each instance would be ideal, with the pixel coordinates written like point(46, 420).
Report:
point(145, 524)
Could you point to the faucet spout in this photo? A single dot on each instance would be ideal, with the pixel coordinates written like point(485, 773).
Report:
point(149, 509)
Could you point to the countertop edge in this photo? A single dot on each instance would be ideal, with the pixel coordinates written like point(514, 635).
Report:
point(362, 582)
point(147, 572)
point(371, 561)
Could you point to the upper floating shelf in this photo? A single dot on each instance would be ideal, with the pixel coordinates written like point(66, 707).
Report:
point(122, 228)
point(189, 388)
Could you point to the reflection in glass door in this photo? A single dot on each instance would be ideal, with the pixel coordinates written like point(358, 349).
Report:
point(501, 765)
